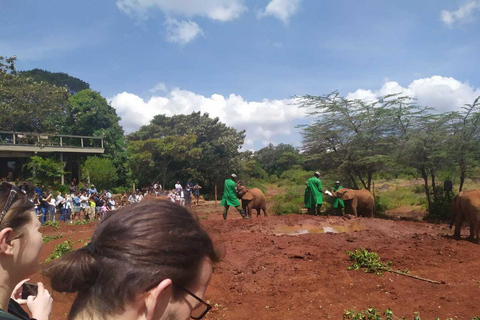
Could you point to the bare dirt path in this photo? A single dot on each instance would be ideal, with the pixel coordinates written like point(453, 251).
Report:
point(267, 274)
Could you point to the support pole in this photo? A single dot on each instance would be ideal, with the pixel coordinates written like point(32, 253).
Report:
point(215, 196)
point(14, 138)
point(81, 139)
point(62, 181)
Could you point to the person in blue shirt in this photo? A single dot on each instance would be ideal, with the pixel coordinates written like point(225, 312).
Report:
point(92, 190)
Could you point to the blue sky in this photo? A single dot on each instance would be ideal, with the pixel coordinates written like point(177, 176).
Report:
point(243, 60)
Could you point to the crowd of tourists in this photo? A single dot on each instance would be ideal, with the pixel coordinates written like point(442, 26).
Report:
point(183, 194)
point(154, 283)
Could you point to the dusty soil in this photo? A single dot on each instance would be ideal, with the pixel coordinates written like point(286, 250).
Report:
point(267, 274)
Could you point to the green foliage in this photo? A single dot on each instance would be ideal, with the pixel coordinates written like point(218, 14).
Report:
point(45, 171)
point(82, 222)
point(119, 190)
point(369, 261)
point(295, 176)
point(27, 105)
point(277, 159)
point(47, 239)
point(61, 249)
point(397, 197)
point(91, 115)
point(213, 155)
point(369, 314)
point(153, 158)
point(100, 171)
point(59, 79)
point(280, 208)
point(374, 314)
point(62, 188)
point(54, 224)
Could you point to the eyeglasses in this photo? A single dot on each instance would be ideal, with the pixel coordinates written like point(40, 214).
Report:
point(200, 311)
point(11, 197)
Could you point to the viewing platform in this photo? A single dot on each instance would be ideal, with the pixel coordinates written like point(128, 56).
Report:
point(26, 144)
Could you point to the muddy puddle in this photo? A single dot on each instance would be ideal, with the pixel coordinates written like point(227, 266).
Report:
point(304, 229)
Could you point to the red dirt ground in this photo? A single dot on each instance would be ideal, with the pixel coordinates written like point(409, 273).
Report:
point(269, 276)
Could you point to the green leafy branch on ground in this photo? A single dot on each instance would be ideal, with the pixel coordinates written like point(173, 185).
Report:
point(372, 263)
point(47, 239)
point(81, 222)
point(61, 249)
point(54, 224)
point(374, 314)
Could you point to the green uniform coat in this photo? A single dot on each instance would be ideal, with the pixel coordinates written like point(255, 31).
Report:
point(338, 202)
point(230, 194)
point(313, 193)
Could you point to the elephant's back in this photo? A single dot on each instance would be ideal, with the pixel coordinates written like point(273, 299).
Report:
point(259, 197)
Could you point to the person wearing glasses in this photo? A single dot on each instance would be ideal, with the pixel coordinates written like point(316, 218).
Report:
point(20, 245)
point(150, 260)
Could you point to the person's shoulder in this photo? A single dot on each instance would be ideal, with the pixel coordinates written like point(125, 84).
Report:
point(7, 316)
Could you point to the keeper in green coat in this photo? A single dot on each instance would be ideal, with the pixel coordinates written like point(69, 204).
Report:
point(313, 195)
point(230, 197)
point(338, 204)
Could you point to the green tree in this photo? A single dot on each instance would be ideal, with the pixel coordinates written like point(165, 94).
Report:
point(356, 136)
point(277, 159)
point(27, 105)
point(100, 171)
point(89, 114)
point(216, 143)
point(152, 158)
point(465, 141)
point(59, 79)
point(45, 171)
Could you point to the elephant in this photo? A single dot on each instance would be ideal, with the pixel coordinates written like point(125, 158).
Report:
point(466, 207)
point(356, 200)
point(252, 199)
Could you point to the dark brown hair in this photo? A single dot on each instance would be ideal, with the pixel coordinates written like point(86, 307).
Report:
point(132, 249)
point(19, 213)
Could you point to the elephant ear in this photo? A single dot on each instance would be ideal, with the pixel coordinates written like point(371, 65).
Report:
point(248, 195)
point(347, 195)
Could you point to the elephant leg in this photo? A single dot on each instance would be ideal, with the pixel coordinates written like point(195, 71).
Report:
point(472, 232)
point(264, 208)
point(249, 207)
point(354, 207)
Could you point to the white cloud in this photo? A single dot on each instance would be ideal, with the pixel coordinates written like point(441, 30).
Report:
point(441, 93)
point(182, 32)
point(159, 87)
point(221, 10)
point(464, 14)
point(265, 121)
point(281, 9)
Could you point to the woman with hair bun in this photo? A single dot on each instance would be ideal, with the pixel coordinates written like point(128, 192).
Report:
point(20, 245)
point(149, 261)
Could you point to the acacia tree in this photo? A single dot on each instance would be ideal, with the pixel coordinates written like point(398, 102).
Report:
point(465, 140)
point(354, 136)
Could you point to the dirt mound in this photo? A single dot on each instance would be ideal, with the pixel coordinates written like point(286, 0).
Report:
point(267, 274)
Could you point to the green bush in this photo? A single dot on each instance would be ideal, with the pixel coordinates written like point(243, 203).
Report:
point(82, 222)
point(374, 314)
point(45, 171)
point(47, 239)
point(61, 249)
point(119, 190)
point(101, 171)
point(62, 188)
point(54, 224)
point(285, 208)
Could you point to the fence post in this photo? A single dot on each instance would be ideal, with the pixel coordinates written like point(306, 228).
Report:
point(215, 196)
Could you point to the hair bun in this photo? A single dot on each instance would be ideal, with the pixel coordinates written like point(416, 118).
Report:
point(73, 272)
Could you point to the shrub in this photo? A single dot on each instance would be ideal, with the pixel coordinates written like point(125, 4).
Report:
point(54, 224)
point(119, 190)
point(374, 314)
point(61, 249)
point(81, 222)
point(101, 171)
point(47, 239)
point(285, 208)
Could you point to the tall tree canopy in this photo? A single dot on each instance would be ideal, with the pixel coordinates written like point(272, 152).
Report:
point(277, 159)
point(217, 146)
point(59, 79)
point(27, 105)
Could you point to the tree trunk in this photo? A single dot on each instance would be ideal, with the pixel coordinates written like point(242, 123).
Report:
point(463, 175)
point(370, 180)
point(433, 185)
point(427, 191)
point(352, 179)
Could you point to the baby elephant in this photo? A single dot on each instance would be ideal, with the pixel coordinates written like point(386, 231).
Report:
point(252, 199)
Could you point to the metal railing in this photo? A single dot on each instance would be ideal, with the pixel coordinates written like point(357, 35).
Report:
point(49, 140)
